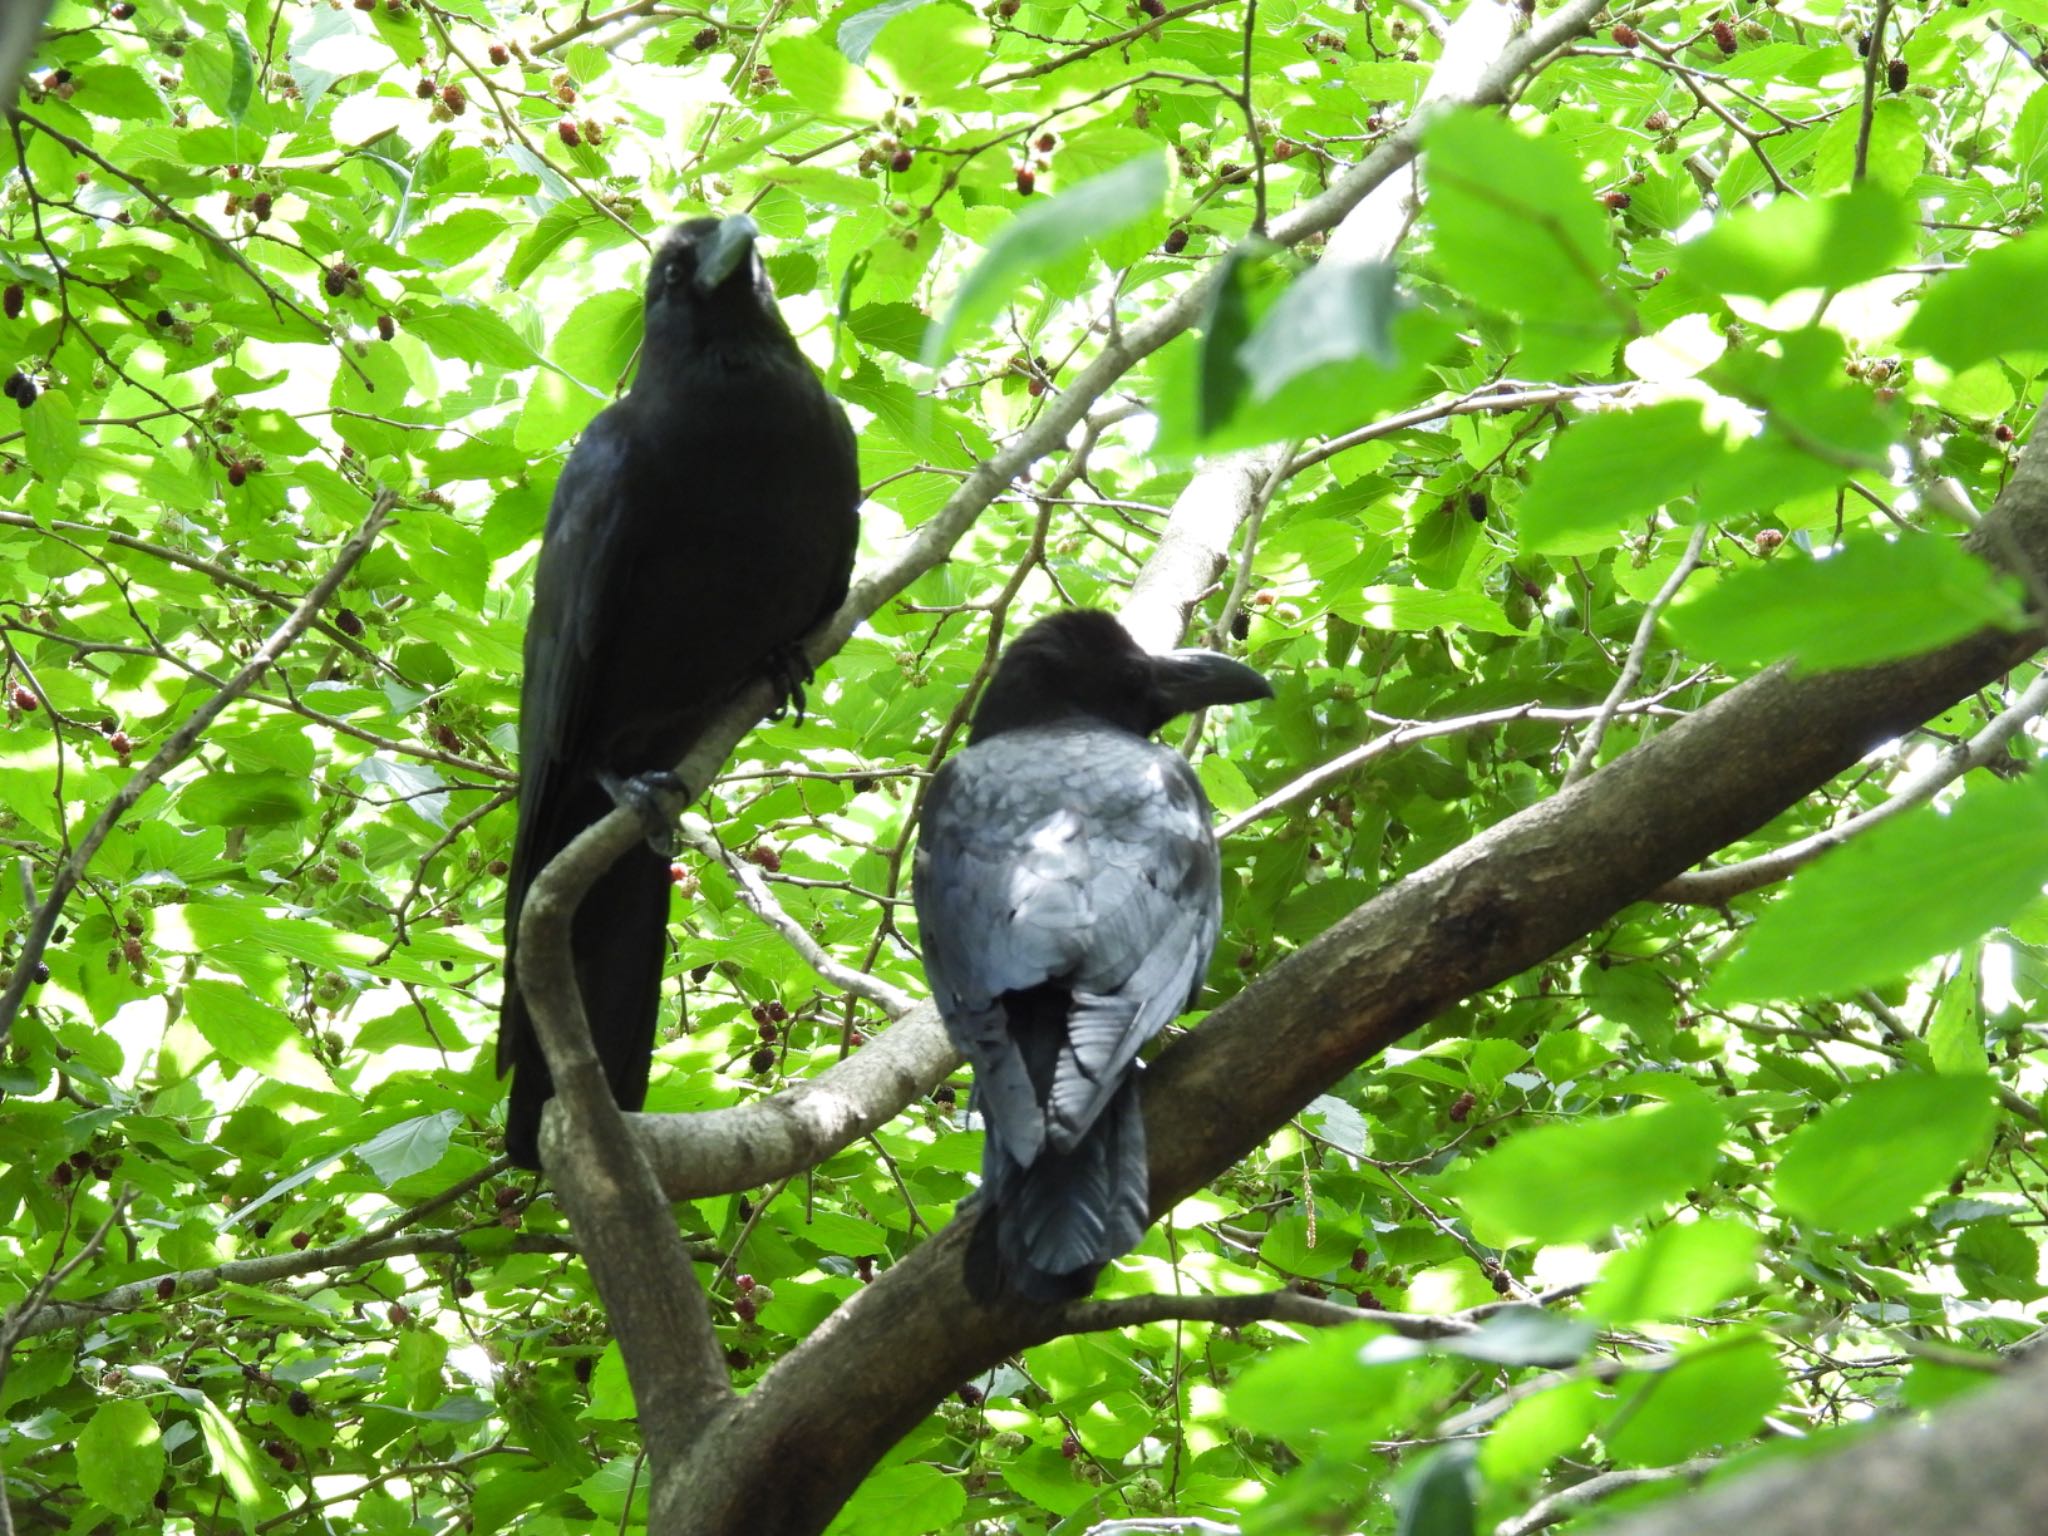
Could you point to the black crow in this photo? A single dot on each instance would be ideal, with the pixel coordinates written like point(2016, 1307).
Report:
point(703, 524)
point(1067, 904)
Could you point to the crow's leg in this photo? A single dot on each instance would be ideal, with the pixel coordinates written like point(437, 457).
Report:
point(789, 669)
point(655, 798)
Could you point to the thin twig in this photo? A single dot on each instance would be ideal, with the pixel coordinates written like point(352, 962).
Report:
point(1638, 653)
point(1871, 63)
point(1406, 731)
point(1714, 887)
point(761, 901)
point(178, 746)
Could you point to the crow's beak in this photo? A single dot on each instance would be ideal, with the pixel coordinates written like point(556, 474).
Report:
point(1186, 681)
point(725, 251)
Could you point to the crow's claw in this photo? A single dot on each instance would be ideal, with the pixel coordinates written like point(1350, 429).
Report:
point(789, 669)
point(650, 796)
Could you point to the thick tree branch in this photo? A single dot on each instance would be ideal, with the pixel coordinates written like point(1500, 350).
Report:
point(1512, 897)
point(753, 1144)
point(1260, 1307)
point(1977, 1467)
point(635, 1252)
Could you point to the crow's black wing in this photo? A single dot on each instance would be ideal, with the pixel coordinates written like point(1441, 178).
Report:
point(1076, 856)
point(581, 549)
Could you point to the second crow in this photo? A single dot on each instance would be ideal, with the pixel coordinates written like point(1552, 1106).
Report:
point(1068, 900)
point(703, 524)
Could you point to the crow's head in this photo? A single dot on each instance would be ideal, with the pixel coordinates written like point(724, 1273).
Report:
point(1083, 662)
point(707, 284)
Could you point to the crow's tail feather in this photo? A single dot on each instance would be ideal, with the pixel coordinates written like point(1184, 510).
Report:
point(619, 936)
point(1046, 1230)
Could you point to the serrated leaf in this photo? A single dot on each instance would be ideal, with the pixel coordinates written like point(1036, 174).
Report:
point(117, 90)
point(1870, 600)
point(410, 1147)
point(1792, 242)
point(242, 79)
point(1438, 1502)
point(251, 1497)
point(472, 334)
point(248, 1032)
point(1411, 609)
point(1485, 177)
point(1716, 1395)
point(1680, 1269)
point(1608, 471)
point(1913, 887)
point(1617, 1168)
point(823, 80)
point(1870, 1159)
point(1967, 317)
point(900, 1501)
point(1336, 312)
point(1042, 234)
point(1226, 327)
point(246, 800)
point(121, 1458)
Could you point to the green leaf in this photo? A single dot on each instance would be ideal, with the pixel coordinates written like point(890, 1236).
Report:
point(1042, 234)
point(1791, 242)
point(451, 241)
point(1681, 1269)
point(1924, 882)
point(1870, 1159)
point(1323, 1386)
point(51, 425)
point(1336, 312)
point(1438, 1502)
point(117, 90)
point(1955, 1035)
point(1872, 599)
point(1968, 316)
point(902, 1501)
point(472, 334)
point(1226, 327)
point(1714, 1396)
point(1486, 177)
point(1541, 1428)
point(857, 34)
point(410, 1147)
point(235, 1462)
point(121, 1457)
point(932, 51)
point(242, 83)
point(1410, 608)
point(1607, 471)
point(246, 800)
point(248, 1032)
point(823, 80)
point(1617, 1168)
point(1995, 1260)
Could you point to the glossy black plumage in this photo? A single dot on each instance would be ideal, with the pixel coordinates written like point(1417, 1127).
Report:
point(702, 525)
point(1067, 894)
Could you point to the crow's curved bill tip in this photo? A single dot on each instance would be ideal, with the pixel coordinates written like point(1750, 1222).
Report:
point(724, 250)
point(1192, 679)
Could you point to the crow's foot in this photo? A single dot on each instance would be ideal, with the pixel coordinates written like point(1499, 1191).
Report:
point(789, 669)
point(655, 798)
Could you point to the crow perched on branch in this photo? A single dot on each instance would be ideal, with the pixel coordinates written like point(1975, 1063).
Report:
point(1067, 904)
point(702, 526)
